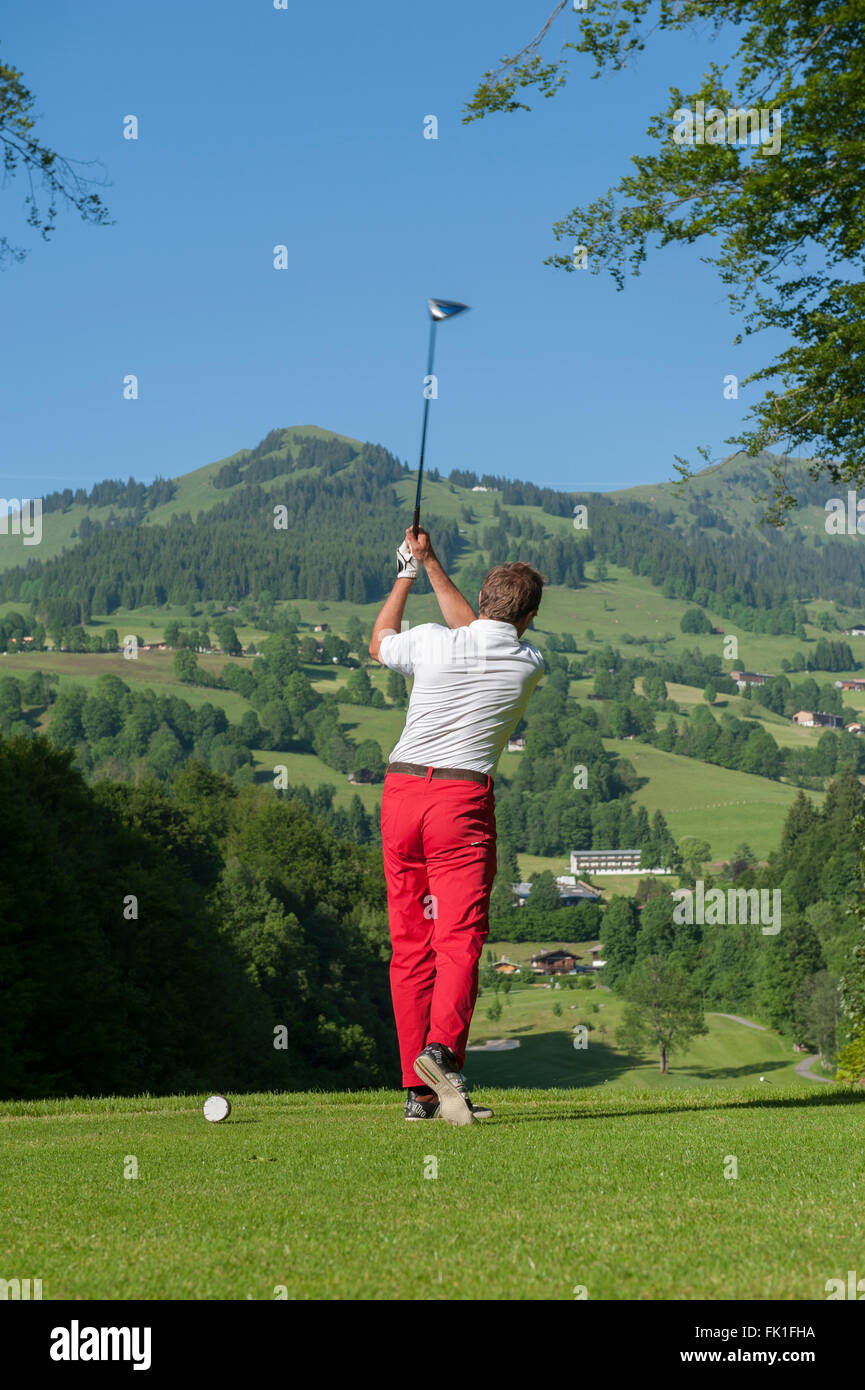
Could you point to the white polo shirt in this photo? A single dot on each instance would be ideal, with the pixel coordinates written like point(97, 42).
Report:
point(471, 685)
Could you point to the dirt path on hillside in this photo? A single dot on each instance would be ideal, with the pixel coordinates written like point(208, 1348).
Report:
point(804, 1069)
point(746, 1021)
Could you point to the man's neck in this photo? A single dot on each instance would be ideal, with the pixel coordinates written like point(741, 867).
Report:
point(484, 617)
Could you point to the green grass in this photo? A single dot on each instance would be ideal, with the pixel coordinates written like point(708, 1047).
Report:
point(718, 804)
point(324, 1196)
point(384, 725)
point(151, 670)
point(538, 863)
point(731, 1054)
point(306, 770)
point(627, 604)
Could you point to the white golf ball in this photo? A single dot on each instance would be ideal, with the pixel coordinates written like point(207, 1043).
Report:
point(216, 1108)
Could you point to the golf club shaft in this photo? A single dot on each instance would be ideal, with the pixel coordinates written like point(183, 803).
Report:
point(429, 372)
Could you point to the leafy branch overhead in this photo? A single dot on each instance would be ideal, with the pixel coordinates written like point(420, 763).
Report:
point(784, 214)
point(51, 179)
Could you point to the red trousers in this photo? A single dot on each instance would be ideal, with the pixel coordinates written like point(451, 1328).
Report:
point(439, 842)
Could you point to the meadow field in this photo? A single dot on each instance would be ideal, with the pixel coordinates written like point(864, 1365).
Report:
point(717, 804)
point(731, 1054)
point(720, 805)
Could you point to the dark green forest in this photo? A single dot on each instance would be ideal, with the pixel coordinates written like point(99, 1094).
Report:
point(161, 940)
point(178, 937)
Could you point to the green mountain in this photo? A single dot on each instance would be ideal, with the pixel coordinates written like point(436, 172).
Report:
point(730, 498)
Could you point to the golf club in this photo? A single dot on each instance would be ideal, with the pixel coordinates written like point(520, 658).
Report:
point(438, 309)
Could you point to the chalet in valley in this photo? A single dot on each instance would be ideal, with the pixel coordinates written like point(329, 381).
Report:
point(745, 679)
point(557, 962)
point(816, 719)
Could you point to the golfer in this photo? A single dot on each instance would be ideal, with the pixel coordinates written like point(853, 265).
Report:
point(472, 681)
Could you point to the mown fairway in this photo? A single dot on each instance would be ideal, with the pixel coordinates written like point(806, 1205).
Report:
point(731, 1054)
point(311, 1196)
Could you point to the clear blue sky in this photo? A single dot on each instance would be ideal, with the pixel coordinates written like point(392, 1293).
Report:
point(305, 127)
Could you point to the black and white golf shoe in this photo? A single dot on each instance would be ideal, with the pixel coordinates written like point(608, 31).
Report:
point(438, 1066)
point(417, 1109)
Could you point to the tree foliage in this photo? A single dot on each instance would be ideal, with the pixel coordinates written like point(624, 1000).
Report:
point(782, 226)
point(47, 174)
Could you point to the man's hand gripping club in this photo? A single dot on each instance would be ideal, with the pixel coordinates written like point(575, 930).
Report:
point(417, 550)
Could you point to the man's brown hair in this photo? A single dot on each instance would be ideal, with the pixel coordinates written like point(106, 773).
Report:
point(510, 592)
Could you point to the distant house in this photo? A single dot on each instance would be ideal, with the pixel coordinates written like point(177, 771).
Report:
point(558, 962)
point(505, 966)
point(479, 488)
point(850, 685)
point(816, 719)
point(516, 745)
point(610, 861)
point(320, 627)
point(856, 632)
point(744, 679)
point(571, 890)
point(855, 728)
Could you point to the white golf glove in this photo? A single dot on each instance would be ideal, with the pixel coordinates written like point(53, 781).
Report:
point(406, 564)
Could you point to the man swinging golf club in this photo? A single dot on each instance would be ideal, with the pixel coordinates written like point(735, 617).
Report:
point(472, 681)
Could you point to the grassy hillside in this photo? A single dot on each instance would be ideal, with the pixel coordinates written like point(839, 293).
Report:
point(723, 806)
point(734, 487)
point(713, 803)
point(731, 1054)
point(195, 493)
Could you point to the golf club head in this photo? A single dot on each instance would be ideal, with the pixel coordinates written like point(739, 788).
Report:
point(445, 308)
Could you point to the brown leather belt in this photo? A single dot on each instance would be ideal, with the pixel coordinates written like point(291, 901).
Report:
point(456, 774)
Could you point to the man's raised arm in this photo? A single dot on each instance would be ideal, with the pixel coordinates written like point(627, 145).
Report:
point(390, 617)
point(456, 611)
